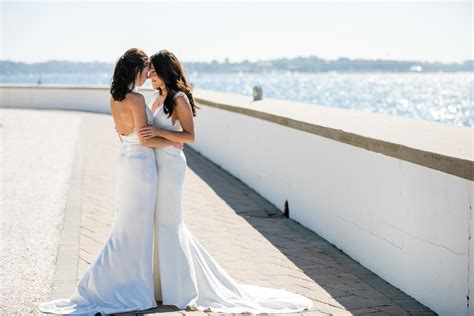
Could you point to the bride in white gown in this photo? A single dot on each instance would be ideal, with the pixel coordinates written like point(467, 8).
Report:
point(185, 274)
point(120, 278)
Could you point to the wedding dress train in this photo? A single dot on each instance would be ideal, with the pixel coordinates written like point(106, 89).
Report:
point(185, 274)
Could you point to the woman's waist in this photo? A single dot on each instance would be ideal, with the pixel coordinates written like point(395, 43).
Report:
point(132, 138)
point(168, 151)
point(135, 147)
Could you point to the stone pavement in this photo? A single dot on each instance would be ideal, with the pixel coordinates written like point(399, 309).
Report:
point(246, 234)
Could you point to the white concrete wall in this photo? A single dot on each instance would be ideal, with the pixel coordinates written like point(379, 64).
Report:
point(471, 255)
point(407, 223)
point(67, 97)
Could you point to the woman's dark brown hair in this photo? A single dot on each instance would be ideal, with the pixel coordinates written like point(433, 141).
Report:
point(171, 72)
point(128, 66)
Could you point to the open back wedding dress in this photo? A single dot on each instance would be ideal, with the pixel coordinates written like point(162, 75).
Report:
point(120, 278)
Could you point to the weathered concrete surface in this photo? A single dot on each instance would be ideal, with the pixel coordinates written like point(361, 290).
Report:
point(36, 153)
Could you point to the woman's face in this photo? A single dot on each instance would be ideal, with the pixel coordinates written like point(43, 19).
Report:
point(156, 81)
point(142, 76)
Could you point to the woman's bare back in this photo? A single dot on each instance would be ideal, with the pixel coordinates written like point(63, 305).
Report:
point(122, 114)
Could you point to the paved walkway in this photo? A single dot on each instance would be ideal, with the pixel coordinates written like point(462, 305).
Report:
point(36, 155)
point(247, 235)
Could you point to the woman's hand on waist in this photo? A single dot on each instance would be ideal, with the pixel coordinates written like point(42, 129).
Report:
point(148, 132)
point(179, 145)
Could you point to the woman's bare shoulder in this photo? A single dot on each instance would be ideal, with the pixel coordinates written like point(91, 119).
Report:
point(180, 94)
point(135, 97)
point(182, 100)
point(132, 99)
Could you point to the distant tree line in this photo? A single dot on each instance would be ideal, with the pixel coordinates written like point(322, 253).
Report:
point(315, 64)
point(299, 64)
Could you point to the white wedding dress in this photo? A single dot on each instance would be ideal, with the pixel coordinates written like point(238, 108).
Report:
point(185, 274)
point(120, 279)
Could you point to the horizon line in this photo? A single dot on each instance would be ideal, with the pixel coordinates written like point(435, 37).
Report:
point(222, 60)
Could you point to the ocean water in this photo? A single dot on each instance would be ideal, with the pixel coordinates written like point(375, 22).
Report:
point(439, 97)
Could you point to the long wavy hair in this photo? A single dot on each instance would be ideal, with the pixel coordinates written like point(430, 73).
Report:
point(126, 69)
point(172, 73)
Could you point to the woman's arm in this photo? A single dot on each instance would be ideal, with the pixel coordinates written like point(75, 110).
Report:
point(184, 115)
point(160, 142)
point(140, 120)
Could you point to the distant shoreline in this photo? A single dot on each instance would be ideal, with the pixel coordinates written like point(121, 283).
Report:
point(297, 65)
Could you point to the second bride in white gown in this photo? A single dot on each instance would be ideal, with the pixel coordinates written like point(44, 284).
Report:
point(185, 274)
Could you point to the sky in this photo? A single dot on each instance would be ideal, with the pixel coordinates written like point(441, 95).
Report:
point(36, 31)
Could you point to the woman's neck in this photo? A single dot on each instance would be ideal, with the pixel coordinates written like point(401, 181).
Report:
point(164, 91)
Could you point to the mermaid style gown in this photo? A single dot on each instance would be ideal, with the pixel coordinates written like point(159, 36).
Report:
point(121, 277)
point(185, 274)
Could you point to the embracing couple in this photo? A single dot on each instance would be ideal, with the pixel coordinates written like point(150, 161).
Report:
point(150, 255)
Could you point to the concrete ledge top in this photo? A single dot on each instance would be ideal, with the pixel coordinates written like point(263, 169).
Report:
point(443, 147)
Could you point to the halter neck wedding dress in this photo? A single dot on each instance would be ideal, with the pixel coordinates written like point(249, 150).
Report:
point(185, 274)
